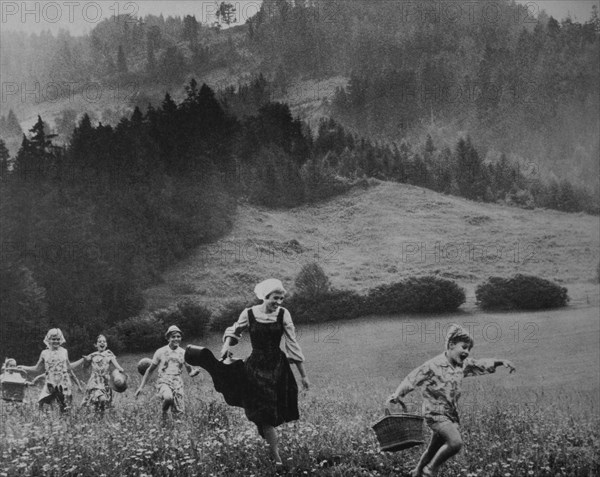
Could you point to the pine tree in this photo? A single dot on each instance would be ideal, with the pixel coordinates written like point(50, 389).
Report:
point(121, 61)
point(150, 58)
point(469, 174)
point(190, 29)
point(4, 157)
point(226, 13)
point(13, 128)
point(35, 159)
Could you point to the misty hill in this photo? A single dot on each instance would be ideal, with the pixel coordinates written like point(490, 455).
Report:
point(381, 233)
point(519, 84)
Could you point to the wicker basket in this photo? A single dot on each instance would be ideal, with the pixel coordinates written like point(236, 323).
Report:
point(13, 387)
point(396, 432)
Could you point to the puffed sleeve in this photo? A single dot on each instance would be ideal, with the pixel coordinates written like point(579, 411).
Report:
point(292, 348)
point(157, 357)
point(235, 331)
point(477, 367)
point(415, 378)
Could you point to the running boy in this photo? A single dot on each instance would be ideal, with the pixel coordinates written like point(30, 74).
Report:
point(441, 380)
point(169, 361)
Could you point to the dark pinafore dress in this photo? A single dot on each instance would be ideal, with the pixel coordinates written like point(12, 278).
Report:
point(272, 392)
point(264, 385)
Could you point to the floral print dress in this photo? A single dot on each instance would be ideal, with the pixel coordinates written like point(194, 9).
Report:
point(56, 364)
point(98, 388)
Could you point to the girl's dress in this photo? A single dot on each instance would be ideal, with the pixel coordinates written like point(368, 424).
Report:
point(264, 385)
point(98, 390)
point(58, 382)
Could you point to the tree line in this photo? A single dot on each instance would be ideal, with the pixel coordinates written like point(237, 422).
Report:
point(521, 84)
point(88, 225)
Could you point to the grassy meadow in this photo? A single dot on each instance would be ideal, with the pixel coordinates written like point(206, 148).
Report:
point(541, 421)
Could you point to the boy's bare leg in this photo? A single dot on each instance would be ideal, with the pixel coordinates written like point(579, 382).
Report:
point(448, 431)
point(434, 444)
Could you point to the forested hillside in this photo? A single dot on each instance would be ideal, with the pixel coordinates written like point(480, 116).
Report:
point(94, 206)
point(520, 84)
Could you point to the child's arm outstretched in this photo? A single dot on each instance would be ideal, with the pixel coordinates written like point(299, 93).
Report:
point(415, 378)
point(34, 369)
point(477, 367)
point(191, 370)
point(148, 372)
point(80, 361)
point(113, 360)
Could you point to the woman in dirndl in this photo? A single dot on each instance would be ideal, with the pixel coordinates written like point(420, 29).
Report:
point(270, 395)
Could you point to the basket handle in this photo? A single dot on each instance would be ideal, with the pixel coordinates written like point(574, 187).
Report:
point(19, 370)
point(387, 411)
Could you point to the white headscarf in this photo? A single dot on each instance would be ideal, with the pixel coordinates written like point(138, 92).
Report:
point(268, 286)
point(458, 333)
point(54, 332)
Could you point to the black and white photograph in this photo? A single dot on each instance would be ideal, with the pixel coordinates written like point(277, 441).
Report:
point(341, 238)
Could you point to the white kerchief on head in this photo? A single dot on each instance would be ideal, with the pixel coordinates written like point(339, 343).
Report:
point(53, 332)
point(268, 286)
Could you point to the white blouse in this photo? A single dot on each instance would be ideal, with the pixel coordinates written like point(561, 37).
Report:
point(292, 348)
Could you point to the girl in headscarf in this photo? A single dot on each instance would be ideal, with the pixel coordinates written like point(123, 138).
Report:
point(270, 397)
point(441, 379)
point(54, 361)
point(98, 392)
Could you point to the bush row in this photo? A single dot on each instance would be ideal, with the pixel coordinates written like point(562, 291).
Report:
point(146, 332)
point(315, 301)
point(521, 292)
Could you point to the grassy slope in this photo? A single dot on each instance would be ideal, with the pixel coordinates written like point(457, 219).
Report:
point(365, 238)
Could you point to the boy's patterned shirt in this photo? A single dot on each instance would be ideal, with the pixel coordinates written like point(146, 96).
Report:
point(170, 364)
point(441, 384)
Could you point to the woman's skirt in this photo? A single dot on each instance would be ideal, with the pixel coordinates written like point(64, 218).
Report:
point(264, 385)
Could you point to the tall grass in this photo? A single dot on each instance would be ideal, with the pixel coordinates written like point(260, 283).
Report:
point(506, 433)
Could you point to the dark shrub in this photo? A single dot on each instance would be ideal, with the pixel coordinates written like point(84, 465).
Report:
point(521, 292)
point(139, 333)
point(334, 305)
point(312, 281)
point(229, 314)
point(115, 343)
point(416, 295)
point(194, 318)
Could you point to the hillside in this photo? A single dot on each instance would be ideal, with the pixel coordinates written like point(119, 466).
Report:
point(376, 234)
